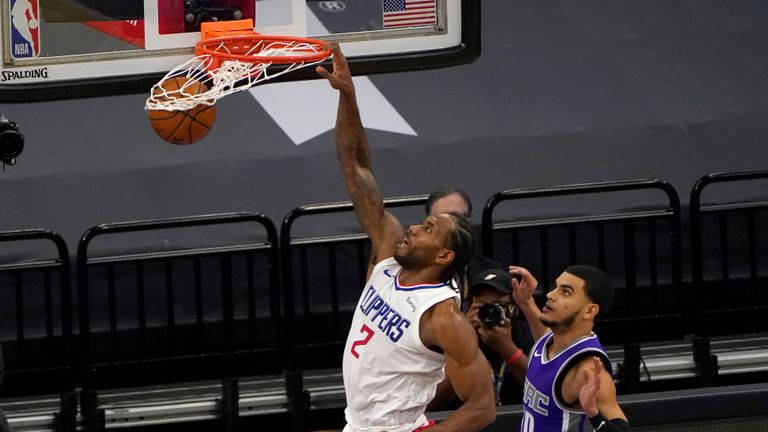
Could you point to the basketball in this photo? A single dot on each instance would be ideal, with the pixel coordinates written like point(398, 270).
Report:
point(182, 127)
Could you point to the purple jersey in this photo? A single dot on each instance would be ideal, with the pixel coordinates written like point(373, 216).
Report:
point(544, 409)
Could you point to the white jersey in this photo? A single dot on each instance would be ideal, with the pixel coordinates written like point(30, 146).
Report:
point(389, 375)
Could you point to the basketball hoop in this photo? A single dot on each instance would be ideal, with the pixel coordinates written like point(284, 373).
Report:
point(231, 57)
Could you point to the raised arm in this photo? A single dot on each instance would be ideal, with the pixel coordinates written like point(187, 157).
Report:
point(384, 230)
point(592, 387)
point(523, 286)
point(465, 366)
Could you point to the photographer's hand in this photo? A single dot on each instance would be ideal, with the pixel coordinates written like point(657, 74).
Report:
point(498, 338)
point(472, 315)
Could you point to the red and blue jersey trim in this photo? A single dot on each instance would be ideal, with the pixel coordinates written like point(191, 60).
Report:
point(399, 287)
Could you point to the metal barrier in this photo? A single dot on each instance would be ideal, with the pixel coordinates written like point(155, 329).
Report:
point(171, 316)
point(132, 332)
point(37, 359)
point(729, 257)
point(316, 319)
point(742, 407)
point(640, 249)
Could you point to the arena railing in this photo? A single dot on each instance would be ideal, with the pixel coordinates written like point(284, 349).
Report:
point(154, 313)
point(739, 407)
point(35, 293)
point(729, 255)
point(638, 246)
point(323, 276)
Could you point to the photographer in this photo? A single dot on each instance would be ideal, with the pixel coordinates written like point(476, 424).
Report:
point(504, 338)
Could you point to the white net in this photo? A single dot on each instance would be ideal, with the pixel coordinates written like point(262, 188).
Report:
point(251, 67)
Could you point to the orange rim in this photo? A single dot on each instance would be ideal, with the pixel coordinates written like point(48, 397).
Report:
point(209, 46)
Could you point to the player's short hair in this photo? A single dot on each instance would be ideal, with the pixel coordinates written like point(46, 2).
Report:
point(445, 191)
point(597, 286)
point(461, 241)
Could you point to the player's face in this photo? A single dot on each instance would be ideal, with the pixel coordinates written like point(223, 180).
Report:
point(424, 242)
point(566, 303)
point(452, 203)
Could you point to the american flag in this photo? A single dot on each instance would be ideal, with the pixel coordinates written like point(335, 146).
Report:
point(409, 13)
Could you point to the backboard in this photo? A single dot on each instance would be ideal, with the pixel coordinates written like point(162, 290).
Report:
point(54, 49)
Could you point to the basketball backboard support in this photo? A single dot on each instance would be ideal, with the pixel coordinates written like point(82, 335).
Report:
point(60, 49)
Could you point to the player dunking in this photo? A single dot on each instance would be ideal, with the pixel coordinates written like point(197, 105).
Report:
point(407, 328)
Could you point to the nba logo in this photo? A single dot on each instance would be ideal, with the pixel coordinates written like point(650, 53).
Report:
point(25, 28)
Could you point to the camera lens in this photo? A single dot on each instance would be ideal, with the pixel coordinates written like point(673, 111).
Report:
point(491, 314)
point(11, 144)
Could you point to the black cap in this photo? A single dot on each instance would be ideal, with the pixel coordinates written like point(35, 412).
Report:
point(497, 279)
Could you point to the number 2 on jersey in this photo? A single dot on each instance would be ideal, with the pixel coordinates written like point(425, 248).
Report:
point(368, 335)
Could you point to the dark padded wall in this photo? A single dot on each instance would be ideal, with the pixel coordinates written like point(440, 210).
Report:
point(564, 92)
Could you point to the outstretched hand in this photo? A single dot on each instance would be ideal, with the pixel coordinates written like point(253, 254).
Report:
point(523, 284)
point(341, 78)
point(590, 387)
